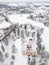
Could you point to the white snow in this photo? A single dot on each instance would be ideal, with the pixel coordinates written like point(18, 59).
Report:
point(20, 59)
point(4, 24)
point(22, 19)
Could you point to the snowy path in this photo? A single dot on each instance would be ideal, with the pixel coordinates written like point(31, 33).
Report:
point(20, 59)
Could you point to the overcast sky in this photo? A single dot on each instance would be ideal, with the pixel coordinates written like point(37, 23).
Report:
point(23, 0)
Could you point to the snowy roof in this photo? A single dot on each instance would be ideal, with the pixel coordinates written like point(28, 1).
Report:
point(4, 25)
point(3, 22)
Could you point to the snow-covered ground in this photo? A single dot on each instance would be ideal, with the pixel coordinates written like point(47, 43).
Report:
point(22, 19)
